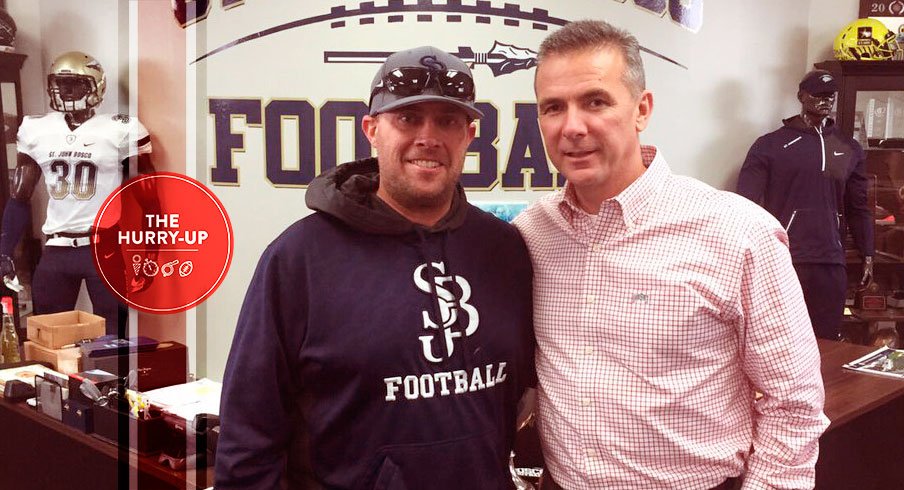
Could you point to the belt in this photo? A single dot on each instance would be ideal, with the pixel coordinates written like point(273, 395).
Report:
point(69, 239)
point(547, 483)
point(728, 484)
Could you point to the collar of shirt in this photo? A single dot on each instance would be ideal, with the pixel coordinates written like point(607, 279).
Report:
point(627, 206)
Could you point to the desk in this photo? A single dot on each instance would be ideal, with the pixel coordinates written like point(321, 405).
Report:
point(863, 448)
point(40, 453)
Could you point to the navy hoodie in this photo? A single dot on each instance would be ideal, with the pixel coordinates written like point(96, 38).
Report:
point(807, 177)
point(373, 353)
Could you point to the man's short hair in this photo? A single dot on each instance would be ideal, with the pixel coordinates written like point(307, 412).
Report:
point(597, 34)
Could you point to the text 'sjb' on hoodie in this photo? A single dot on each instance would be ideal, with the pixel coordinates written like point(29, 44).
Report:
point(373, 353)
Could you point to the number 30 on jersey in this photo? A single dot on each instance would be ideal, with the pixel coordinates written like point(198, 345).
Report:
point(83, 184)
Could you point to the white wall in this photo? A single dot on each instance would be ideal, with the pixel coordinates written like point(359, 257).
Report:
point(744, 66)
point(743, 69)
point(827, 18)
point(29, 42)
point(48, 28)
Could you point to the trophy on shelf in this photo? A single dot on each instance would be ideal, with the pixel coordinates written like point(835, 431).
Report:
point(871, 297)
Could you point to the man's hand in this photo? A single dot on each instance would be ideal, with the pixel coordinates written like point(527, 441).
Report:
point(7, 267)
point(867, 271)
point(8, 273)
point(526, 407)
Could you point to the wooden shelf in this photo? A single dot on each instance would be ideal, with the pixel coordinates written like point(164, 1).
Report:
point(888, 314)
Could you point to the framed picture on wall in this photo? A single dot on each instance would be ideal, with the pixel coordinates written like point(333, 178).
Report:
point(506, 211)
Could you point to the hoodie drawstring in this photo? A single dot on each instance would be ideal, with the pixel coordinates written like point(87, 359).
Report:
point(458, 322)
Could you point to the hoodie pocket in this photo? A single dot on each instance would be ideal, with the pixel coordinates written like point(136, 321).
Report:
point(468, 462)
point(813, 232)
point(389, 477)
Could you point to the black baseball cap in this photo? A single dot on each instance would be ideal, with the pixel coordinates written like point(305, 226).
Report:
point(435, 61)
point(818, 82)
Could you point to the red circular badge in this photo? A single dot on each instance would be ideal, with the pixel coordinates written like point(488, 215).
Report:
point(162, 242)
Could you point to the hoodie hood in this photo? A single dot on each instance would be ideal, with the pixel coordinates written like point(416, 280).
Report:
point(797, 123)
point(348, 193)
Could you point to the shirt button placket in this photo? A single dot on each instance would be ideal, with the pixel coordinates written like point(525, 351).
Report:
point(586, 353)
point(586, 406)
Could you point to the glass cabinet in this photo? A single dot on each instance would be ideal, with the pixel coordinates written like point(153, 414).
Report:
point(879, 119)
point(870, 108)
point(11, 108)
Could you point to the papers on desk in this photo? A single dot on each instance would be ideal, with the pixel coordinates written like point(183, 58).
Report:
point(188, 399)
point(27, 374)
point(883, 362)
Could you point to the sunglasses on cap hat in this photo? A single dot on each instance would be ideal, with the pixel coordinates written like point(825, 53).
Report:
point(411, 81)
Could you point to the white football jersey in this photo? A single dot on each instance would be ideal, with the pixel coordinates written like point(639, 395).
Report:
point(81, 167)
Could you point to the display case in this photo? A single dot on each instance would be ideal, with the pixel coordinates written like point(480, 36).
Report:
point(870, 108)
point(11, 108)
point(870, 88)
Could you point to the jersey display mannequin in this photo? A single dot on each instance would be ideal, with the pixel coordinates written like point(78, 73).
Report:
point(83, 157)
point(810, 176)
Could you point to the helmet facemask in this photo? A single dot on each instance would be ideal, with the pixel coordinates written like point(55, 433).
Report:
point(889, 45)
point(72, 92)
point(875, 47)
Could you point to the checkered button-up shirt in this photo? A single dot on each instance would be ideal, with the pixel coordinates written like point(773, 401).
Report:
point(656, 321)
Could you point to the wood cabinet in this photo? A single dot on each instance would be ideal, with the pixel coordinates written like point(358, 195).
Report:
point(870, 108)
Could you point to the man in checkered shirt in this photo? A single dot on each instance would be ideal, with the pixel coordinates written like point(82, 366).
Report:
point(662, 305)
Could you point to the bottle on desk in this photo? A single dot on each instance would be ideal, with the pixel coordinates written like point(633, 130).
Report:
point(9, 339)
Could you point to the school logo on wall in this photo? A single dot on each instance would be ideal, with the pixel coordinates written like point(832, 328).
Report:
point(286, 83)
point(501, 58)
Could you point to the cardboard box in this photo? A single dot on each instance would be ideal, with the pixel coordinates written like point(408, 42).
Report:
point(65, 361)
point(164, 366)
point(58, 329)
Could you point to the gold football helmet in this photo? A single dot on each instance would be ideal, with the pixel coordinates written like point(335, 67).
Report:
point(76, 82)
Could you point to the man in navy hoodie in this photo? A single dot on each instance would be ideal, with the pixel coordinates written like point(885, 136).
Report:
point(807, 174)
point(385, 340)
